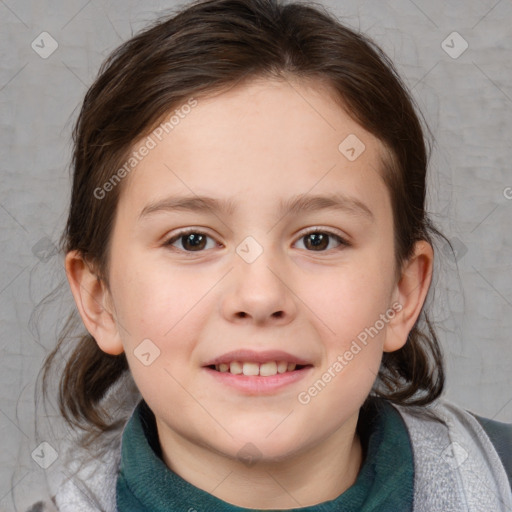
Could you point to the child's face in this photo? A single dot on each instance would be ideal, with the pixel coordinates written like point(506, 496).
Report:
point(257, 147)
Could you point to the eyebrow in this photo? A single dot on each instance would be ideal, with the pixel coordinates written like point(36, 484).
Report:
point(292, 206)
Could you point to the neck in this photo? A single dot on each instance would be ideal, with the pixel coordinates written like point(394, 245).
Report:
point(319, 473)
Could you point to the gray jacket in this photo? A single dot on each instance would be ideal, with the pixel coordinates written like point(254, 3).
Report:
point(462, 463)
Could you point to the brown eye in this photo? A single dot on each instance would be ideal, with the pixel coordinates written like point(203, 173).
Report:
point(191, 241)
point(320, 241)
point(194, 241)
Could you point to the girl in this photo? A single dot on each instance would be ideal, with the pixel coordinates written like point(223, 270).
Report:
point(248, 248)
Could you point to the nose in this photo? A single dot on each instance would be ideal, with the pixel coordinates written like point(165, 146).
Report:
point(259, 293)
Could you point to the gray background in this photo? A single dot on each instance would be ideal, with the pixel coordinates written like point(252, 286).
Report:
point(467, 102)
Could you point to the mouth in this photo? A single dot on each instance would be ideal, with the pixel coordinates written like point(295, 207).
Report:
point(253, 369)
point(258, 373)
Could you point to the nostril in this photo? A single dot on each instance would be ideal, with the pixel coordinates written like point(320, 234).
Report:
point(278, 314)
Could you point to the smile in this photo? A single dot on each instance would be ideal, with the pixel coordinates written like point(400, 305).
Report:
point(258, 373)
point(250, 368)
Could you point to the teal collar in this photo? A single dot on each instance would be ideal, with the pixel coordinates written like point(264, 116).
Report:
point(384, 484)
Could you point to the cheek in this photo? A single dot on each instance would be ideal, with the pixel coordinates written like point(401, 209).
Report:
point(160, 319)
point(151, 299)
point(160, 311)
point(350, 311)
point(350, 299)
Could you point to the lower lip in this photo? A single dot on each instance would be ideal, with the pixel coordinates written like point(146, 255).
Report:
point(256, 385)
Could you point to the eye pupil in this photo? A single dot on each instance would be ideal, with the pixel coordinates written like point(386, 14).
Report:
point(318, 240)
point(196, 241)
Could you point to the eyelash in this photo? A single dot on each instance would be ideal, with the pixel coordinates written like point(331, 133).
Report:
point(342, 242)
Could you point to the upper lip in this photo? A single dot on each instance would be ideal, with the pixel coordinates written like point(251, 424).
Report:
point(244, 355)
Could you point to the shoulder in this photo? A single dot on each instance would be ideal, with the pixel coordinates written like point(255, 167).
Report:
point(500, 435)
point(451, 440)
point(86, 479)
point(452, 416)
point(496, 430)
point(461, 420)
point(460, 424)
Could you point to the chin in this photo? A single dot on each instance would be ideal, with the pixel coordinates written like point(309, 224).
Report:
point(260, 448)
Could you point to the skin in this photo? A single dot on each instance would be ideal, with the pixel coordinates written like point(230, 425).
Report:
point(255, 144)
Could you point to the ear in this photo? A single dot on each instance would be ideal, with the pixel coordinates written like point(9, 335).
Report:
point(93, 301)
point(410, 293)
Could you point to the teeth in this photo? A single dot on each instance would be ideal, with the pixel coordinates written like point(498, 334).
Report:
point(269, 368)
point(236, 368)
point(282, 366)
point(251, 369)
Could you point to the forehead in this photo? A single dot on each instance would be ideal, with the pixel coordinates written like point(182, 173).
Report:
point(265, 138)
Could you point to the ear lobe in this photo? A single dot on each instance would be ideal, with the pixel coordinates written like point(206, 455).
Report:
point(92, 299)
point(411, 292)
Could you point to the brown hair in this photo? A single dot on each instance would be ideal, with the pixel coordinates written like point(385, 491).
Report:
point(210, 46)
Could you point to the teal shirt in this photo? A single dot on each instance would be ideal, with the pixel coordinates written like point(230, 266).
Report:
point(384, 484)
